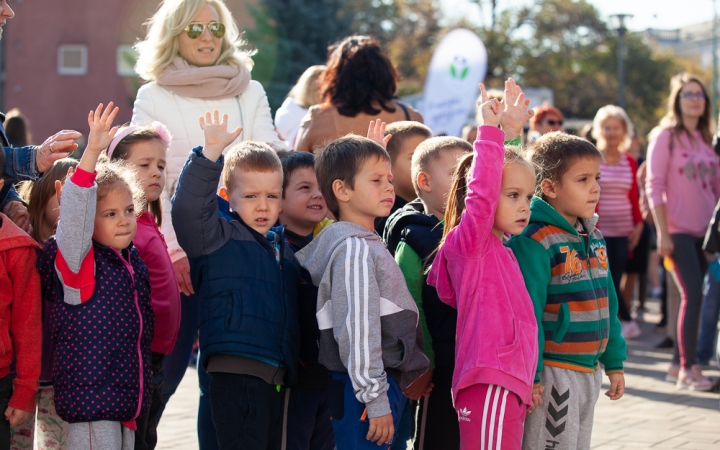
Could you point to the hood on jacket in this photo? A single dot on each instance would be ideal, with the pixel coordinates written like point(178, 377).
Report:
point(11, 236)
point(316, 257)
point(541, 211)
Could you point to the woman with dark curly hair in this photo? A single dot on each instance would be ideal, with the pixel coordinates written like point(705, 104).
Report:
point(358, 85)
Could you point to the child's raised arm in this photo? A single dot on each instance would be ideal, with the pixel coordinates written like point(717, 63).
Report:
point(195, 216)
point(77, 211)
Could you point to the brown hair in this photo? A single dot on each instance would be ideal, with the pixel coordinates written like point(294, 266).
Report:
point(430, 151)
point(341, 160)
point(249, 156)
point(17, 128)
point(359, 75)
point(292, 161)
point(400, 132)
point(122, 152)
point(456, 196)
point(38, 193)
point(554, 153)
point(673, 119)
point(119, 175)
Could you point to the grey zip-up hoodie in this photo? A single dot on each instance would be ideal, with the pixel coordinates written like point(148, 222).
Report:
point(368, 320)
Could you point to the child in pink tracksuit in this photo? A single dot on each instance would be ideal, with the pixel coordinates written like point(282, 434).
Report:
point(497, 349)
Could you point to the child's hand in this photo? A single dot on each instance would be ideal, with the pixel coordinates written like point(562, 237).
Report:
point(420, 387)
point(617, 386)
point(491, 110)
point(516, 111)
point(101, 134)
point(101, 130)
point(17, 416)
point(217, 136)
point(381, 430)
point(376, 132)
point(537, 393)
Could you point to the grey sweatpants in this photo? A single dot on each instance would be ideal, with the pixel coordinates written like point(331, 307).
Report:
point(100, 435)
point(564, 420)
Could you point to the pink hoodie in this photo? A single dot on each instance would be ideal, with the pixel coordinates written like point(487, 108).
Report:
point(164, 289)
point(496, 340)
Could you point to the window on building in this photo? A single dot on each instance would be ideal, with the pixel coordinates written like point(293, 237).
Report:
point(126, 59)
point(72, 60)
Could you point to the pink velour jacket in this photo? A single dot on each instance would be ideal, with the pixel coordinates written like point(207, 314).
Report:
point(164, 289)
point(496, 340)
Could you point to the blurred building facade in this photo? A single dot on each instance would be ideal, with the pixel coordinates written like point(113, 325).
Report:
point(60, 59)
point(693, 42)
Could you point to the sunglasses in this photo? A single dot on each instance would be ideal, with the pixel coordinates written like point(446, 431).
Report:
point(693, 95)
point(553, 123)
point(196, 29)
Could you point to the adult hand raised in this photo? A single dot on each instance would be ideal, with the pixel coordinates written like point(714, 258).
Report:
point(57, 146)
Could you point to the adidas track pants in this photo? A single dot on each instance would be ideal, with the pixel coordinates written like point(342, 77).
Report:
point(490, 418)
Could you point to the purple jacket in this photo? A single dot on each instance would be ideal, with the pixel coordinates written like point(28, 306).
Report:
point(496, 340)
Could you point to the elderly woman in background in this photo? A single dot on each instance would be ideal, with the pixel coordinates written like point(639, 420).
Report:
point(193, 61)
point(621, 222)
point(358, 85)
point(302, 96)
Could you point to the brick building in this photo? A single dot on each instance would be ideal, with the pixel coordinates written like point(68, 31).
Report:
point(60, 59)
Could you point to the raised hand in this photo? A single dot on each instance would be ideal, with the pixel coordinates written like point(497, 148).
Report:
point(376, 132)
point(217, 136)
point(101, 134)
point(491, 109)
point(516, 111)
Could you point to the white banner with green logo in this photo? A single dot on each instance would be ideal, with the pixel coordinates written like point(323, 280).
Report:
point(451, 87)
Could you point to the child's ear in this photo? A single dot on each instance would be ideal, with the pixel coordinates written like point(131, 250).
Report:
point(423, 182)
point(58, 189)
point(224, 194)
point(548, 188)
point(341, 191)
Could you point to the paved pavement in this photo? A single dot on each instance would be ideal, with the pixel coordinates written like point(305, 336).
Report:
point(652, 414)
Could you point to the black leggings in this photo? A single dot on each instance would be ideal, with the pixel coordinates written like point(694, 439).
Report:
point(689, 269)
point(617, 251)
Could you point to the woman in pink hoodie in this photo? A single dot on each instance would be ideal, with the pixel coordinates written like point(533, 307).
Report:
point(497, 349)
point(145, 148)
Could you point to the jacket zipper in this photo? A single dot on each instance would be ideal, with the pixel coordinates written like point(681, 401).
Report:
point(597, 301)
point(139, 341)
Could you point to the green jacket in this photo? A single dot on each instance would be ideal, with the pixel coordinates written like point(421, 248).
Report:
point(567, 276)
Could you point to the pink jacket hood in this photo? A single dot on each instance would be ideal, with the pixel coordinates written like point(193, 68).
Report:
point(496, 340)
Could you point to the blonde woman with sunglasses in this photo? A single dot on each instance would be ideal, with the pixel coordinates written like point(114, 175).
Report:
point(193, 61)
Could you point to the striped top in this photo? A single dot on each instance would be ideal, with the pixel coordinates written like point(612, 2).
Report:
point(566, 274)
point(614, 207)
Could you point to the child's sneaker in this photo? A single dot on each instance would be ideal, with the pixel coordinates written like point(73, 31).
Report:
point(693, 379)
point(672, 374)
point(630, 330)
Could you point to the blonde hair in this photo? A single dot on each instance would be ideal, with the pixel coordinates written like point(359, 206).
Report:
point(249, 156)
point(432, 150)
point(615, 112)
point(161, 45)
point(306, 91)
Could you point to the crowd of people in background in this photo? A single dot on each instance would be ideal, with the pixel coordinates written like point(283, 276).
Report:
point(352, 280)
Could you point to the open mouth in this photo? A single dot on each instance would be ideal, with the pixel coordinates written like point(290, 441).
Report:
point(206, 50)
point(315, 207)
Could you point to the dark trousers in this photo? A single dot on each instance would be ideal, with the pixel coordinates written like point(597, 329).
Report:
point(6, 390)
point(247, 412)
point(308, 420)
point(617, 252)
point(146, 432)
point(689, 270)
point(437, 420)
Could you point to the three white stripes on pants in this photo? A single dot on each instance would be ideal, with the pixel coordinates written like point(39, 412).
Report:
point(493, 414)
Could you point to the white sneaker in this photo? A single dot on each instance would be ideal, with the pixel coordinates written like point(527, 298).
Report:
point(693, 380)
point(630, 330)
point(672, 373)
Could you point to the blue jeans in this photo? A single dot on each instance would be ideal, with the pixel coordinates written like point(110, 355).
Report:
point(350, 431)
point(709, 317)
point(175, 366)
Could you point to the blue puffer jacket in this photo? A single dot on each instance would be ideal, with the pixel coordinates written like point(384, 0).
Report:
point(246, 282)
point(101, 347)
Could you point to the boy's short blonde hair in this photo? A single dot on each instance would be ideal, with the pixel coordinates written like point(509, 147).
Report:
point(400, 132)
point(249, 156)
point(431, 150)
